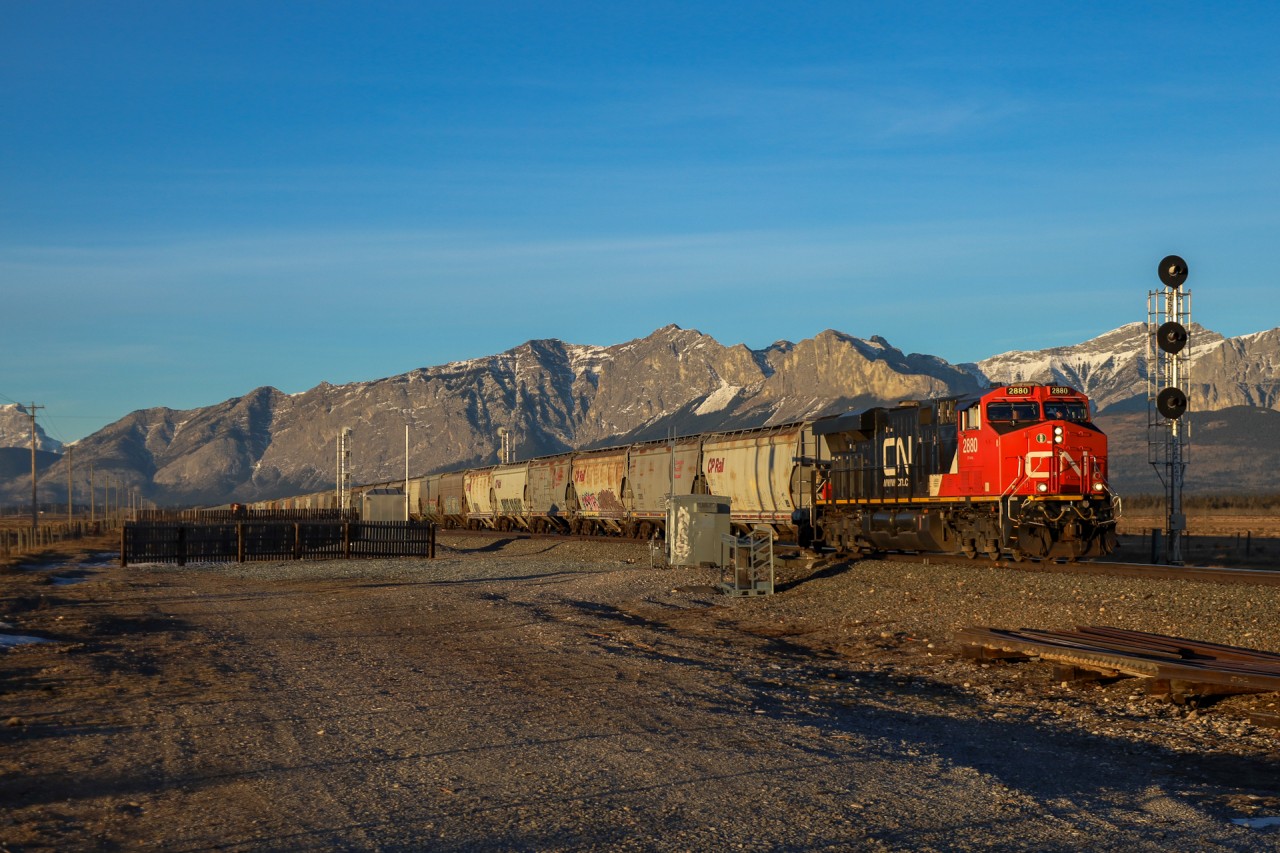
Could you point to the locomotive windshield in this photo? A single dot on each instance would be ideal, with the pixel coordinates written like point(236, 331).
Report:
point(1028, 410)
point(1066, 410)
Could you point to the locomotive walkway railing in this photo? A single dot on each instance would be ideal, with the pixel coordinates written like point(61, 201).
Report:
point(242, 541)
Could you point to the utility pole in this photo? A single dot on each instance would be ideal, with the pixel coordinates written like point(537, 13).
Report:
point(70, 489)
point(35, 510)
point(91, 495)
point(344, 470)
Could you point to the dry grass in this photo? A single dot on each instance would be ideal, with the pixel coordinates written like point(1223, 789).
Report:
point(1214, 537)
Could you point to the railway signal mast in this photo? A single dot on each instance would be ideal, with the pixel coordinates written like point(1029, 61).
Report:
point(1168, 380)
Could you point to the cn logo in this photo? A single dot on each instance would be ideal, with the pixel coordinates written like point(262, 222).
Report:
point(896, 454)
point(1038, 463)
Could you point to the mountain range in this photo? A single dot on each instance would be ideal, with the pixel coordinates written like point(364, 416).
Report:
point(554, 396)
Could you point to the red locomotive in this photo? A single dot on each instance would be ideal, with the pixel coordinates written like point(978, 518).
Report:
point(1019, 469)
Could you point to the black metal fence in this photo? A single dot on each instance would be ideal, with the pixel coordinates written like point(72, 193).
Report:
point(243, 513)
point(182, 542)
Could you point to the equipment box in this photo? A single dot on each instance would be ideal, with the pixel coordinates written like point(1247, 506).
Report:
point(383, 505)
point(695, 525)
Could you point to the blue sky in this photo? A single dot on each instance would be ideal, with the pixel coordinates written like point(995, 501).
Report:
point(199, 198)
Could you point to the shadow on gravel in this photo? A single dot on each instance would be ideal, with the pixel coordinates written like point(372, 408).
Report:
point(487, 548)
point(831, 571)
point(1026, 755)
point(35, 789)
point(822, 691)
point(601, 610)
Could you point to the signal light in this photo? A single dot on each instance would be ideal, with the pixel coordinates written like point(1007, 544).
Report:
point(1173, 271)
point(1171, 337)
point(1171, 403)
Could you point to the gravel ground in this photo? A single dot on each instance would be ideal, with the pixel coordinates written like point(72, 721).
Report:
point(536, 695)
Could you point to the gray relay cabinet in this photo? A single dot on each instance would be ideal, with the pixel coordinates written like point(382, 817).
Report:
point(695, 525)
point(383, 505)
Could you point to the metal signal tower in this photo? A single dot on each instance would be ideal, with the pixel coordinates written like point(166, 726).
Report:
point(1168, 381)
point(507, 451)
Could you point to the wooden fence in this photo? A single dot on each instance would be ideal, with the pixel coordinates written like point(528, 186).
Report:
point(21, 540)
point(241, 541)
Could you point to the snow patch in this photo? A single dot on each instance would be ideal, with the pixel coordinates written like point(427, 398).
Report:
point(718, 399)
point(9, 641)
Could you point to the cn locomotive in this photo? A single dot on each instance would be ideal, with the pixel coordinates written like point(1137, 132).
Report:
point(1018, 470)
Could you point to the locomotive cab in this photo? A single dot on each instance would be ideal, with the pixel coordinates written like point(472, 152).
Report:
point(1034, 441)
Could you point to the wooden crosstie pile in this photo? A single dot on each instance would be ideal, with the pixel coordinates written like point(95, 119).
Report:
point(1173, 666)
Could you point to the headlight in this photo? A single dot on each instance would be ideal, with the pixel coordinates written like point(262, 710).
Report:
point(1057, 435)
point(1097, 487)
point(1042, 488)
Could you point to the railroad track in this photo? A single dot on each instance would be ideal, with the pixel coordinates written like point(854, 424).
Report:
point(524, 534)
point(1208, 574)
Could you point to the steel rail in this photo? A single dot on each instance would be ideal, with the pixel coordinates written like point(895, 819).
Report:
point(525, 534)
point(1202, 574)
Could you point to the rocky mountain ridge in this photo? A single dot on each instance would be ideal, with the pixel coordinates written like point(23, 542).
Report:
point(555, 396)
point(15, 429)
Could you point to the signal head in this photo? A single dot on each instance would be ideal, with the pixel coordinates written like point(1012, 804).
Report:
point(1173, 271)
point(1171, 337)
point(1171, 403)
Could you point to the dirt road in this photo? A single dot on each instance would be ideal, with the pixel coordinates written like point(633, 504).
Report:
point(534, 696)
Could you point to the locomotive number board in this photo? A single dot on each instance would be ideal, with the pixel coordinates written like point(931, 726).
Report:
point(1028, 390)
